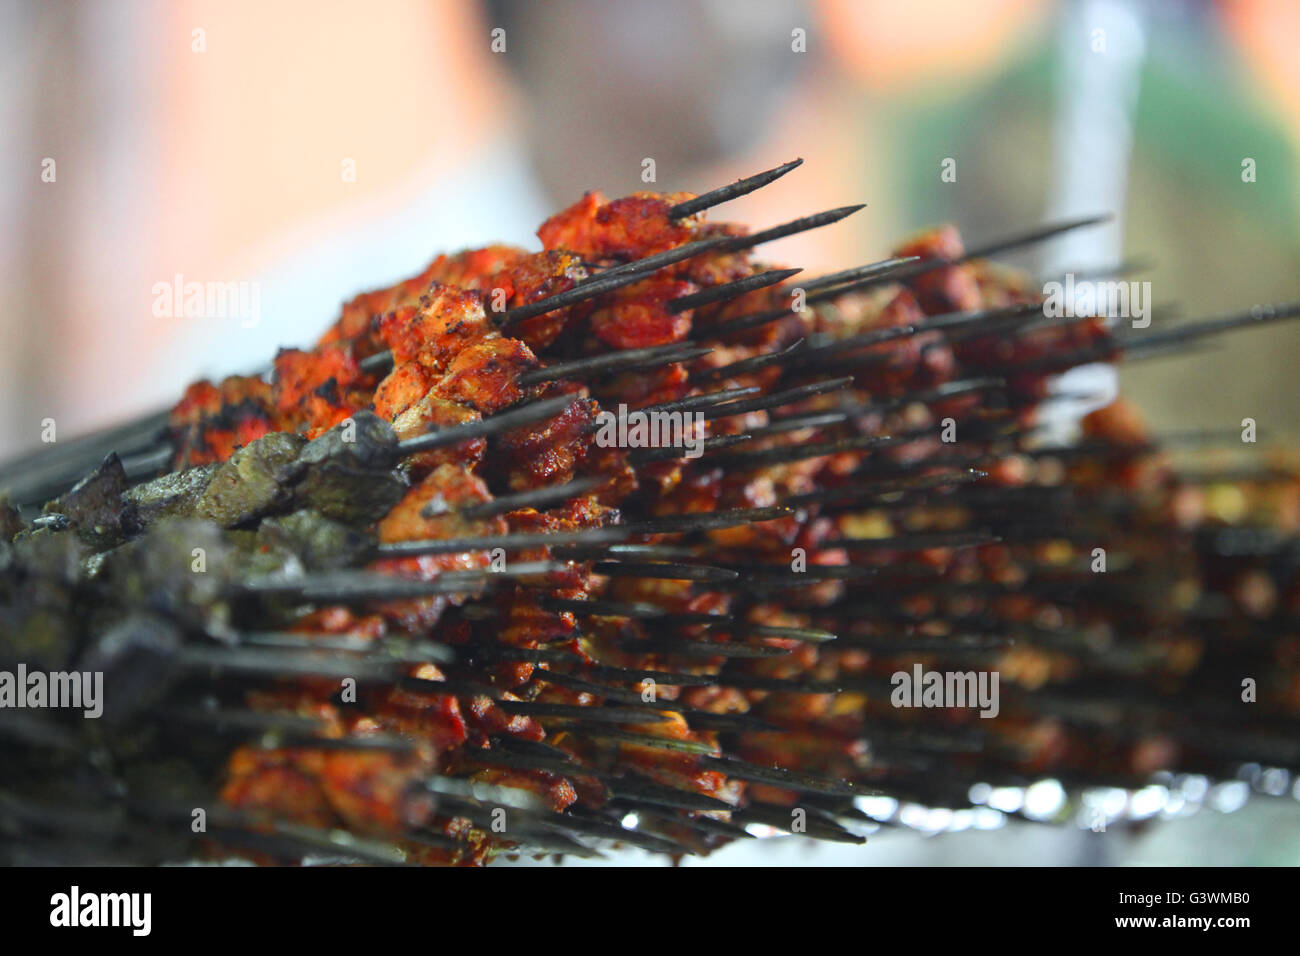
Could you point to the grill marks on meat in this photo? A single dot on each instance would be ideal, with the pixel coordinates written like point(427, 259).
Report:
point(640, 318)
point(630, 228)
point(211, 421)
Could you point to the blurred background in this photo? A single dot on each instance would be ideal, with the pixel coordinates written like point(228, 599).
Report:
point(315, 149)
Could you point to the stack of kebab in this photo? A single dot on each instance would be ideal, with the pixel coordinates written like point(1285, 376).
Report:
point(422, 576)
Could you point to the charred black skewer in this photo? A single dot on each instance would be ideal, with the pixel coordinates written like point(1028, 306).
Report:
point(741, 187)
point(731, 290)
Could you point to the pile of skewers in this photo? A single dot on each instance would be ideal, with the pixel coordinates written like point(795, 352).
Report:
point(397, 602)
